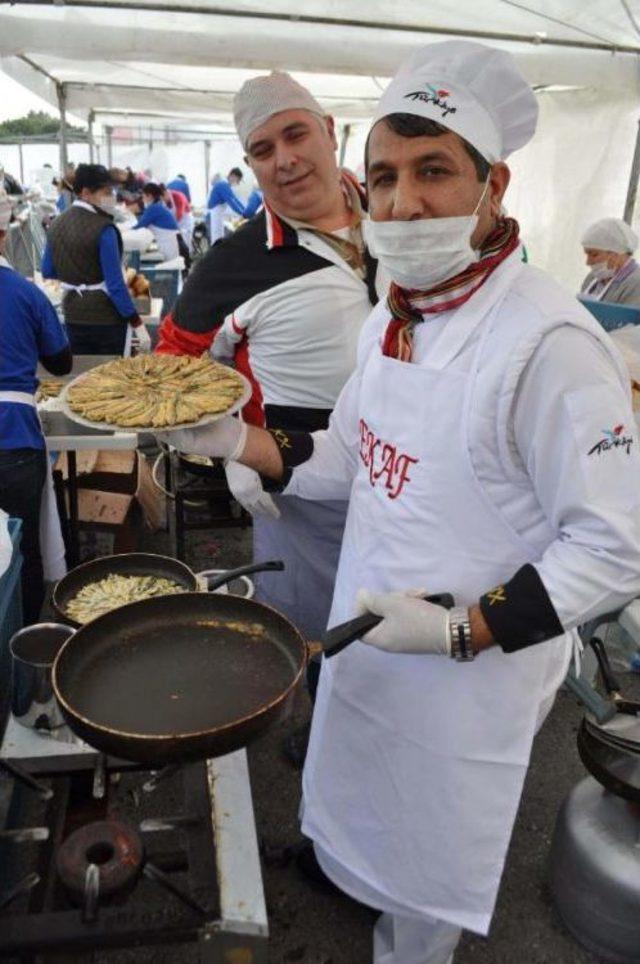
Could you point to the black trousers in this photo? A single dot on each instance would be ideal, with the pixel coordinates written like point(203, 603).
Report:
point(97, 339)
point(22, 477)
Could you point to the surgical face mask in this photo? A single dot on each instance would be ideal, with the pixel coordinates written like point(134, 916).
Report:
point(107, 204)
point(421, 254)
point(602, 271)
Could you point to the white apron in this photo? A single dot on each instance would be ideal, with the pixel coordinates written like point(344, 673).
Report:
point(416, 763)
point(51, 542)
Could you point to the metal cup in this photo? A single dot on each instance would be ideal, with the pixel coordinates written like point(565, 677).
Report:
point(33, 651)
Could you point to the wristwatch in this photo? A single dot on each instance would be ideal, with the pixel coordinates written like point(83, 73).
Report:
point(460, 635)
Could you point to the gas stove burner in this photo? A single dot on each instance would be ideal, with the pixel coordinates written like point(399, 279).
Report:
point(112, 846)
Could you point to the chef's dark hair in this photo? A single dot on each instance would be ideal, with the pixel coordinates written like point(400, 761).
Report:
point(410, 125)
point(155, 190)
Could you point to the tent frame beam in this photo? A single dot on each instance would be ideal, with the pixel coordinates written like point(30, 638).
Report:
point(632, 190)
point(165, 7)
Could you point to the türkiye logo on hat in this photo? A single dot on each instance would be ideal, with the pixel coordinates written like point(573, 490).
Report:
point(433, 95)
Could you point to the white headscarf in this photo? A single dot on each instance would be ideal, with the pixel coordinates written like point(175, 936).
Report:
point(610, 234)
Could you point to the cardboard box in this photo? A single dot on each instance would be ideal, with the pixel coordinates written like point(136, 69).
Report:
point(112, 471)
point(111, 511)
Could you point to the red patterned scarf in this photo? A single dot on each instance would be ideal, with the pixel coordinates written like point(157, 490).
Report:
point(409, 307)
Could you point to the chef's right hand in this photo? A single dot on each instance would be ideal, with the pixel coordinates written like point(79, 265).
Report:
point(223, 439)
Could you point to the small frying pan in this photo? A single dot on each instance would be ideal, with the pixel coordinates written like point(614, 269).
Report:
point(126, 564)
point(179, 677)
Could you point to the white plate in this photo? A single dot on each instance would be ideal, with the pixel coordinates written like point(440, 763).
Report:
point(111, 427)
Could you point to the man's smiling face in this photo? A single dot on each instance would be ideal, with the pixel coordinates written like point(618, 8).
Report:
point(293, 158)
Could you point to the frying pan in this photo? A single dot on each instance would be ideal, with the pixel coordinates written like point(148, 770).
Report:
point(616, 769)
point(127, 564)
point(177, 678)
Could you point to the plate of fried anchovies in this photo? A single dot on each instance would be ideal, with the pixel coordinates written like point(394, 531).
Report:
point(155, 392)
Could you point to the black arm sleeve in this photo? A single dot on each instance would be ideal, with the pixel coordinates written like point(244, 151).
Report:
point(520, 613)
point(60, 363)
point(295, 448)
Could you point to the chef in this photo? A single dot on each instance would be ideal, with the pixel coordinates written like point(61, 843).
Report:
point(29, 332)
point(486, 444)
point(614, 273)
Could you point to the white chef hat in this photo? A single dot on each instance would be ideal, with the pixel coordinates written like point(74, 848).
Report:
point(610, 234)
point(5, 210)
point(261, 97)
point(475, 91)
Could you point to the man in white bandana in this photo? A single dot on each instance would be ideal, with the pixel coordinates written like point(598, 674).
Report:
point(284, 298)
point(470, 443)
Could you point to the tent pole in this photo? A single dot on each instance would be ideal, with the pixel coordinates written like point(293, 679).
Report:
point(346, 130)
point(109, 146)
point(207, 167)
point(62, 107)
point(632, 190)
point(90, 137)
point(20, 142)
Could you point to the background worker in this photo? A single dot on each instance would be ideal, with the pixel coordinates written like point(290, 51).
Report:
point(609, 245)
point(181, 184)
point(30, 332)
point(222, 202)
point(84, 250)
point(162, 223)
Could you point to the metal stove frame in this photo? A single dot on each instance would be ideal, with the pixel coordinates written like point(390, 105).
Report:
point(237, 928)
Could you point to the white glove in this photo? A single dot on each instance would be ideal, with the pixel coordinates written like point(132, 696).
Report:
point(143, 337)
point(409, 624)
point(246, 488)
point(223, 439)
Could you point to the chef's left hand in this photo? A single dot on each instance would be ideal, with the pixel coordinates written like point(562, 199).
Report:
point(409, 624)
point(144, 338)
point(246, 488)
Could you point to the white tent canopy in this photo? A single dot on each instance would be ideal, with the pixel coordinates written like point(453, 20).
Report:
point(189, 57)
point(177, 63)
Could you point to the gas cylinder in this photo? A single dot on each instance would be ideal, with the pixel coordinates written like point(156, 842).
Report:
point(595, 871)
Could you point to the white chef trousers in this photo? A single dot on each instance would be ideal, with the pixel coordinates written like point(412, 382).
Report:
point(412, 940)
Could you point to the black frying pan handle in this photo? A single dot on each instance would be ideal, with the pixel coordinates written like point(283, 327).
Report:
point(225, 577)
point(341, 636)
point(609, 678)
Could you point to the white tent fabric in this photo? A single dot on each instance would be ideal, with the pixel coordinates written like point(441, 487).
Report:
point(166, 59)
point(178, 63)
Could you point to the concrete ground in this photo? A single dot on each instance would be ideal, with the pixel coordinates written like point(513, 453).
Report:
point(315, 927)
